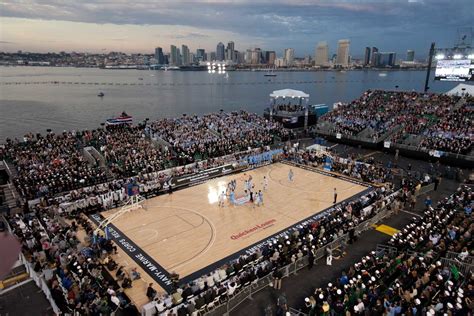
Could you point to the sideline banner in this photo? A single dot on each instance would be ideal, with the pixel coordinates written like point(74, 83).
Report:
point(201, 176)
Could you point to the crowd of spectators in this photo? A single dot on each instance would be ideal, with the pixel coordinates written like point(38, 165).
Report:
point(216, 134)
point(410, 278)
point(74, 272)
point(454, 132)
point(382, 112)
point(371, 173)
point(127, 150)
point(50, 164)
point(55, 163)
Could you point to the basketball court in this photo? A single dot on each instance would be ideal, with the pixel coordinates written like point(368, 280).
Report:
point(188, 233)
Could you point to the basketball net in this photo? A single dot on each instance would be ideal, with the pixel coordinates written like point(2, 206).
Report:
point(134, 202)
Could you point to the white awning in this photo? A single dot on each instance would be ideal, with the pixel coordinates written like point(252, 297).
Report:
point(458, 90)
point(288, 93)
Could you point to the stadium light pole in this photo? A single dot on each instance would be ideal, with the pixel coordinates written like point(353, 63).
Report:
point(428, 71)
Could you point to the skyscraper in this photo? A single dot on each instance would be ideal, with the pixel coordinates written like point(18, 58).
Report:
point(321, 57)
point(374, 57)
point(173, 55)
point(289, 57)
point(386, 59)
point(270, 57)
point(160, 58)
point(185, 51)
point(343, 52)
point(410, 55)
point(200, 54)
point(230, 51)
point(179, 59)
point(367, 56)
point(220, 55)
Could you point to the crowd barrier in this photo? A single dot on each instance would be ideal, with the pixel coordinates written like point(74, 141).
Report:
point(290, 269)
point(455, 256)
point(463, 268)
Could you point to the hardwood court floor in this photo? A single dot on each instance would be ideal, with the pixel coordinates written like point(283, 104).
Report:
point(187, 230)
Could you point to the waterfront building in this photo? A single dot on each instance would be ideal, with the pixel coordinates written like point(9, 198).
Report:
point(220, 52)
point(270, 57)
point(186, 57)
point(367, 56)
point(289, 57)
point(201, 54)
point(174, 52)
point(159, 57)
point(321, 54)
point(230, 51)
point(343, 52)
point(410, 55)
point(374, 57)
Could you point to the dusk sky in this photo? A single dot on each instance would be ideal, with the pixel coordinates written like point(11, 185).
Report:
point(139, 26)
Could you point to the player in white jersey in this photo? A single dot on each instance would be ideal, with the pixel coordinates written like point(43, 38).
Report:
point(221, 199)
point(290, 175)
point(265, 183)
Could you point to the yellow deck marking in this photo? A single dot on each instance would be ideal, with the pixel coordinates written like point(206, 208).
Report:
point(387, 229)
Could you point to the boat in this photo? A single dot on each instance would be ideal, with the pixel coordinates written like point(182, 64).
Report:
point(270, 74)
point(124, 118)
point(140, 78)
point(101, 94)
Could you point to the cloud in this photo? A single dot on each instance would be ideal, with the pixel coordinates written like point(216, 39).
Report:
point(273, 24)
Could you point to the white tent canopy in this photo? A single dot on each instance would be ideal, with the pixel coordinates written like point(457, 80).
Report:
point(288, 93)
point(458, 90)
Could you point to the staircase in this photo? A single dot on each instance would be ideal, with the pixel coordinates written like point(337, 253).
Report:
point(95, 157)
point(11, 196)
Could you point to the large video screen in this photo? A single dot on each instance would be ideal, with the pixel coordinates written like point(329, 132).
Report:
point(454, 70)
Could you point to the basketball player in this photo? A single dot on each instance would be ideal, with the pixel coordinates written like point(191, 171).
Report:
point(232, 197)
point(290, 175)
point(265, 183)
point(260, 197)
point(221, 199)
point(335, 196)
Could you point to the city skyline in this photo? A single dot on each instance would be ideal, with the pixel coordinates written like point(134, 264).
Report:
point(96, 26)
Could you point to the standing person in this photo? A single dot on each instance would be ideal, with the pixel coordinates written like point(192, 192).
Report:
point(310, 259)
point(328, 256)
point(277, 275)
point(260, 197)
point(232, 197)
point(335, 196)
point(221, 199)
point(437, 180)
point(265, 183)
point(290, 175)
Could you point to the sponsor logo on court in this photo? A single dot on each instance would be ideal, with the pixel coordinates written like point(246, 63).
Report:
point(258, 227)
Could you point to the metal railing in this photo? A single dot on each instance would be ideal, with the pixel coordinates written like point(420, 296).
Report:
point(463, 268)
point(455, 256)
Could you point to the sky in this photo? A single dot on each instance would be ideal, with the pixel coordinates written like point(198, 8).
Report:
point(140, 26)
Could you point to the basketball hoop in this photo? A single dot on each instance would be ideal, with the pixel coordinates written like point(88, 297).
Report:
point(134, 202)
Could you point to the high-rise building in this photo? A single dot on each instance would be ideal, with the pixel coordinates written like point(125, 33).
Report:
point(410, 55)
point(185, 51)
point(367, 56)
point(289, 57)
point(270, 57)
point(201, 54)
point(179, 59)
point(256, 56)
point(220, 52)
point(213, 56)
point(386, 59)
point(174, 52)
point(229, 52)
point(343, 52)
point(321, 55)
point(248, 56)
point(374, 57)
point(159, 57)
